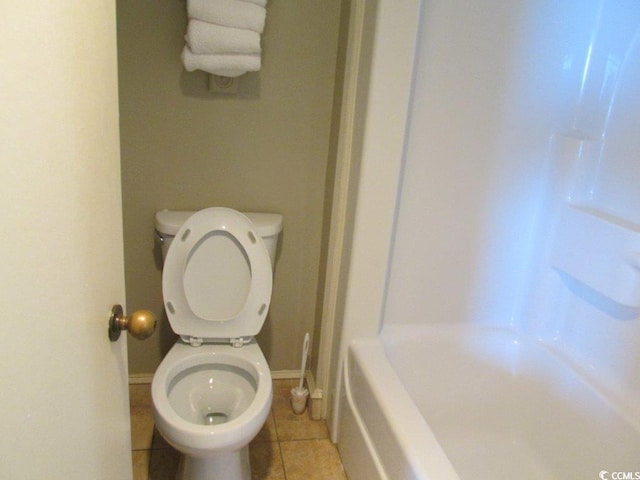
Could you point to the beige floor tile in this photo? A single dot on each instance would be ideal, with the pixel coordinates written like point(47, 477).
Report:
point(140, 395)
point(163, 464)
point(311, 460)
point(142, 427)
point(290, 426)
point(266, 461)
point(289, 446)
point(140, 465)
point(268, 431)
point(158, 441)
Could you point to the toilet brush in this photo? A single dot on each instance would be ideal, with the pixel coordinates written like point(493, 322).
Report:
point(299, 394)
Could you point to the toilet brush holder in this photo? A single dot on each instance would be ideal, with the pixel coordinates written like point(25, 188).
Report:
point(299, 398)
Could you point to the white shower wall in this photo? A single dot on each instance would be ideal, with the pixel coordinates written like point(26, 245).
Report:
point(521, 112)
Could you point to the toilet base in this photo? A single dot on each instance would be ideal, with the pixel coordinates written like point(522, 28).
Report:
point(220, 466)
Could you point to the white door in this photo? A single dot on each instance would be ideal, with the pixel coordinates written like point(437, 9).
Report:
point(63, 385)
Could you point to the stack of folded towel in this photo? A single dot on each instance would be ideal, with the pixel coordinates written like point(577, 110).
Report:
point(223, 36)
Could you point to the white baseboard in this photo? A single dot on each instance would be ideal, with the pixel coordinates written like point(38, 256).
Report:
point(295, 374)
point(285, 374)
point(141, 378)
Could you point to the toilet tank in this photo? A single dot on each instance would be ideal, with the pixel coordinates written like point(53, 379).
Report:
point(267, 225)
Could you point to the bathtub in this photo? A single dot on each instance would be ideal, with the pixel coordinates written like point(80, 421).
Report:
point(440, 402)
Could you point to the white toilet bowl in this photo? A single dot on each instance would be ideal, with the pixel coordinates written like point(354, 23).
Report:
point(212, 392)
point(209, 403)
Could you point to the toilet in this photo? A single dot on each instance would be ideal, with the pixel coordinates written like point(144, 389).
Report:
point(212, 391)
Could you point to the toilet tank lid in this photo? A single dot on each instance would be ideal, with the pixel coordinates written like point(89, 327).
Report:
point(168, 222)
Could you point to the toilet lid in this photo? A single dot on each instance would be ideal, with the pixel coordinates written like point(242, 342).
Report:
point(217, 277)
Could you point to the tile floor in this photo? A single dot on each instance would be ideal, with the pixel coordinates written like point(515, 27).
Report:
point(289, 447)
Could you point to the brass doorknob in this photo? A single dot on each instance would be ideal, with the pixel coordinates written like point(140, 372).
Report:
point(141, 324)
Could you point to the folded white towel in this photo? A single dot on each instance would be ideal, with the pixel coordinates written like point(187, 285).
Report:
point(208, 38)
point(229, 13)
point(231, 65)
point(230, 73)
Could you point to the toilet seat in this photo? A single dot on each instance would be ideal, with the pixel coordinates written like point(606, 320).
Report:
point(200, 306)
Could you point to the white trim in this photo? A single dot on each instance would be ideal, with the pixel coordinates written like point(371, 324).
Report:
point(295, 375)
point(311, 381)
point(340, 202)
point(141, 378)
point(384, 122)
point(285, 374)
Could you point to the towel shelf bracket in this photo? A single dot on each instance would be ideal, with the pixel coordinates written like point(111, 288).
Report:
point(220, 84)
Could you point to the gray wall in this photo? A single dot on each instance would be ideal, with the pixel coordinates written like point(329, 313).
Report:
point(266, 149)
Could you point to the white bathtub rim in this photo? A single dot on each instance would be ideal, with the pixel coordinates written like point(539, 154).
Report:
point(409, 433)
point(371, 371)
point(362, 428)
